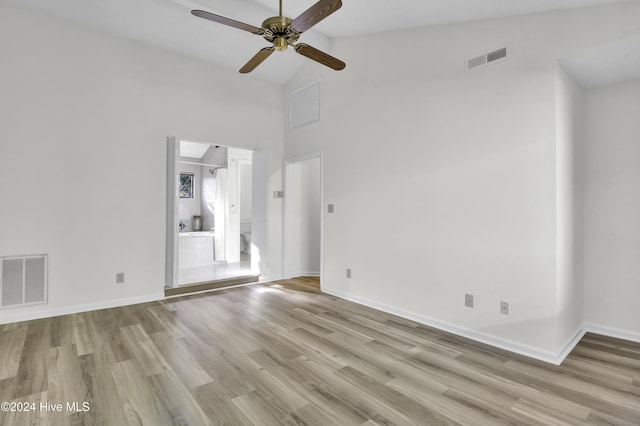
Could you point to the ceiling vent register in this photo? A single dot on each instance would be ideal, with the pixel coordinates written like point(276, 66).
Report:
point(487, 58)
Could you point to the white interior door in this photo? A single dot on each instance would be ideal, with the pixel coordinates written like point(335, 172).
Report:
point(171, 261)
point(260, 212)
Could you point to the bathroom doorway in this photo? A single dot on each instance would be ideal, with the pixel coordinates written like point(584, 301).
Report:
point(302, 216)
point(210, 213)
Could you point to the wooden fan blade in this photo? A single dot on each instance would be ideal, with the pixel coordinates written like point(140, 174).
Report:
point(319, 56)
point(257, 60)
point(226, 21)
point(315, 14)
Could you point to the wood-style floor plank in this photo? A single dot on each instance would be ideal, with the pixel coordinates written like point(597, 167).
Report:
point(31, 377)
point(10, 351)
point(181, 361)
point(140, 403)
point(66, 379)
point(284, 353)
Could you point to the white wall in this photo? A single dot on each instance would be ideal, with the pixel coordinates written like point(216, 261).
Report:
point(612, 207)
point(87, 114)
point(292, 217)
point(303, 217)
point(310, 212)
point(444, 180)
point(569, 145)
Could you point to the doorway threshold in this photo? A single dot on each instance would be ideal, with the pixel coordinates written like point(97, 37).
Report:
point(210, 285)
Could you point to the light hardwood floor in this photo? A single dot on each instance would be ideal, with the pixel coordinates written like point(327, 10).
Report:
point(284, 353)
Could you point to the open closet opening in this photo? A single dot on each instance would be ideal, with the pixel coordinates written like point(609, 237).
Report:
point(303, 216)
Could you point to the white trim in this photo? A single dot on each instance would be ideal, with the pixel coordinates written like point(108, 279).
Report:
point(172, 201)
point(303, 274)
point(498, 342)
point(210, 290)
point(269, 278)
point(613, 332)
point(509, 345)
point(303, 157)
point(571, 344)
point(116, 303)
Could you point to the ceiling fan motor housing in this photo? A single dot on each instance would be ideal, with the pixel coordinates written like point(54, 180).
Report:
point(278, 32)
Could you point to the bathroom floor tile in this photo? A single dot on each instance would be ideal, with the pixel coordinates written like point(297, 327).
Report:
point(220, 271)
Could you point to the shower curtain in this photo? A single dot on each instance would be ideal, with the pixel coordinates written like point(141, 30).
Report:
point(208, 199)
point(220, 211)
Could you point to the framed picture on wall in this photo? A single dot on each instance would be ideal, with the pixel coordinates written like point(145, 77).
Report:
point(186, 185)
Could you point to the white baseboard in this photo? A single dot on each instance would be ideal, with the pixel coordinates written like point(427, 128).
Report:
point(571, 343)
point(613, 332)
point(116, 303)
point(211, 290)
point(269, 278)
point(303, 274)
point(262, 280)
point(10, 316)
point(498, 342)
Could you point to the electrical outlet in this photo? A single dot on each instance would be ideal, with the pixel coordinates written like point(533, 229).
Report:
point(348, 272)
point(504, 308)
point(120, 278)
point(330, 208)
point(468, 300)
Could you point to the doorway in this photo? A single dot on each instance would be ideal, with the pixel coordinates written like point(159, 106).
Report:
point(302, 217)
point(210, 211)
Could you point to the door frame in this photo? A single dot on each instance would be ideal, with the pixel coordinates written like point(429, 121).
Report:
point(172, 202)
point(285, 225)
point(171, 243)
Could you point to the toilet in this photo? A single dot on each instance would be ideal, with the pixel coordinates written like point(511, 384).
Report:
point(246, 243)
point(245, 236)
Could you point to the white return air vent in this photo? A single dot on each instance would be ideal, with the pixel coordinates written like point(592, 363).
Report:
point(485, 59)
point(23, 280)
point(304, 106)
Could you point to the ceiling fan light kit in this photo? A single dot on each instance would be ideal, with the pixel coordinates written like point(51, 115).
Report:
point(283, 32)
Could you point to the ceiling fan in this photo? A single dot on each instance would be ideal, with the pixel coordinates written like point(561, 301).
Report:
point(283, 32)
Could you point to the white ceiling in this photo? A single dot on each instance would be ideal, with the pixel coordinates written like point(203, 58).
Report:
point(193, 149)
point(611, 64)
point(169, 25)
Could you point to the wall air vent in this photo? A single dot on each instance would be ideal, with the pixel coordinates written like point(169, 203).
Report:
point(487, 58)
point(304, 106)
point(23, 280)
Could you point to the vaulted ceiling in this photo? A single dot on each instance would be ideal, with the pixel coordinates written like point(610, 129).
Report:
point(168, 24)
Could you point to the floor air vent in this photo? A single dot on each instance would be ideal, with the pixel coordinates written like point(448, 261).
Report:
point(23, 280)
point(487, 58)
